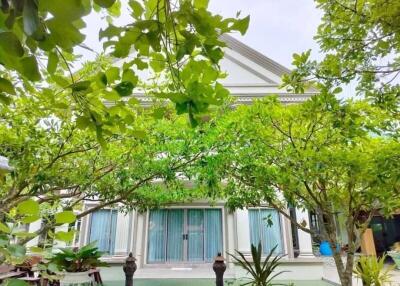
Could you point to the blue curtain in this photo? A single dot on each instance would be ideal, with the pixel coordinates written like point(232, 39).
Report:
point(103, 229)
point(269, 235)
point(196, 234)
point(254, 221)
point(272, 233)
point(213, 233)
point(174, 235)
point(157, 230)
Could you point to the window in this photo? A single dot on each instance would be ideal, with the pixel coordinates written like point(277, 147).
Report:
point(265, 227)
point(184, 235)
point(103, 227)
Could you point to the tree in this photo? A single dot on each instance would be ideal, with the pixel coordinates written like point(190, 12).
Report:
point(360, 40)
point(57, 166)
point(324, 155)
point(178, 39)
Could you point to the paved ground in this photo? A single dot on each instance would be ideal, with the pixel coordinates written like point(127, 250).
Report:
point(204, 282)
point(204, 277)
point(330, 274)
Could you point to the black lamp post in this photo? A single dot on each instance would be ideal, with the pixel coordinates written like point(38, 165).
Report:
point(129, 269)
point(219, 268)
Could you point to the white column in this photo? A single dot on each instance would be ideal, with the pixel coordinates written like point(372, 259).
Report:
point(229, 236)
point(122, 234)
point(140, 238)
point(305, 240)
point(243, 231)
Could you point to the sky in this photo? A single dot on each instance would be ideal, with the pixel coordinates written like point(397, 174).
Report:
point(278, 28)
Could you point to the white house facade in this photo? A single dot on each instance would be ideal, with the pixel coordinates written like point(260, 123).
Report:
point(189, 236)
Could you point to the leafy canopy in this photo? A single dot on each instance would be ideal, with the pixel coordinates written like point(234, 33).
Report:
point(174, 40)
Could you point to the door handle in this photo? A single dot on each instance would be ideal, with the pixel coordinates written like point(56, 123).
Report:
point(185, 236)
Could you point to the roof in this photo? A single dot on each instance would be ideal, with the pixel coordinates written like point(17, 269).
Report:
point(254, 55)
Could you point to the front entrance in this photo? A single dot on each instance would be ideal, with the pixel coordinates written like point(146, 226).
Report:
point(184, 235)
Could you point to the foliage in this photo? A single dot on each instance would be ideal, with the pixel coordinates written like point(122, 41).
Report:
point(323, 155)
point(360, 40)
point(56, 166)
point(261, 272)
point(78, 259)
point(12, 233)
point(372, 270)
point(177, 40)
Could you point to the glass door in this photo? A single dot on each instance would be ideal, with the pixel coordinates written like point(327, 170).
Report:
point(175, 224)
point(195, 231)
point(184, 235)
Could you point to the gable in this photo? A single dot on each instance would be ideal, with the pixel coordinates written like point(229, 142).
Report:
point(252, 75)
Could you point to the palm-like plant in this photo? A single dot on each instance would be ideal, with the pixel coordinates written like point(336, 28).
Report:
point(372, 271)
point(261, 272)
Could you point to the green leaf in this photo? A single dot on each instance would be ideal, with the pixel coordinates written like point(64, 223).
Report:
point(28, 207)
point(137, 8)
point(30, 17)
point(4, 228)
point(10, 44)
point(52, 62)
point(112, 74)
point(110, 31)
point(129, 75)
point(82, 122)
point(66, 10)
point(16, 282)
point(35, 249)
point(24, 234)
point(111, 95)
point(199, 4)
point(139, 134)
point(65, 217)
point(17, 250)
point(66, 36)
point(30, 68)
point(241, 25)
point(105, 3)
point(4, 240)
point(6, 86)
point(61, 81)
point(5, 99)
point(30, 218)
point(80, 86)
point(124, 88)
point(65, 236)
point(158, 62)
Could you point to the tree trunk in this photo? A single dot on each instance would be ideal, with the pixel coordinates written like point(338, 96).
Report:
point(345, 275)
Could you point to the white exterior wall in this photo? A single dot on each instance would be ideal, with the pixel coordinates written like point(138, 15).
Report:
point(305, 240)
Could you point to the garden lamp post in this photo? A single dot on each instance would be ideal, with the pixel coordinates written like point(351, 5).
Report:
point(129, 269)
point(219, 268)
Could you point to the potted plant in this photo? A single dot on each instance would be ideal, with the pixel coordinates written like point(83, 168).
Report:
point(75, 263)
point(395, 254)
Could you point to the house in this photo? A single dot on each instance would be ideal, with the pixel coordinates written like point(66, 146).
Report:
point(190, 236)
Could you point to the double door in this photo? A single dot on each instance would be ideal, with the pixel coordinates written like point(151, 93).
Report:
point(184, 235)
